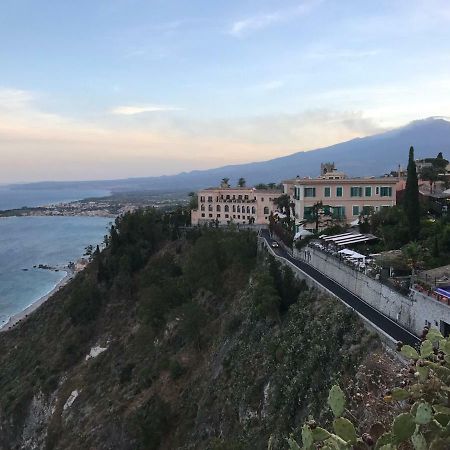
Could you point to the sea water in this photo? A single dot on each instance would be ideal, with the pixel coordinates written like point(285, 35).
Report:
point(29, 241)
point(15, 197)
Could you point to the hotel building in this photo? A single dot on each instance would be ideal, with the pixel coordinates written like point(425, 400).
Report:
point(241, 205)
point(343, 198)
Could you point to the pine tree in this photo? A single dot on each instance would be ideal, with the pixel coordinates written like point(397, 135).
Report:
point(412, 206)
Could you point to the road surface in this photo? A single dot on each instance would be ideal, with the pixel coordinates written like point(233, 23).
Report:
point(393, 329)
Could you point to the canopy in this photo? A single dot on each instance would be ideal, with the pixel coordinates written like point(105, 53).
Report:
point(351, 253)
point(355, 223)
point(280, 215)
point(302, 233)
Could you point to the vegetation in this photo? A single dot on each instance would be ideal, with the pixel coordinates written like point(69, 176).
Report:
point(411, 200)
point(424, 425)
point(205, 346)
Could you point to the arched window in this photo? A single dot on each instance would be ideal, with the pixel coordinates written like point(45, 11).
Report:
point(218, 208)
point(210, 208)
point(253, 210)
point(227, 208)
point(234, 208)
point(266, 210)
point(203, 207)
point(238, 209)
point(248, 209)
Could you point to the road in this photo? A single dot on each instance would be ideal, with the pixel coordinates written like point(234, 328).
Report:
point(393, 329)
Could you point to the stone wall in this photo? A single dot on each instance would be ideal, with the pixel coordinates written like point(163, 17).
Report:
point(412, 312)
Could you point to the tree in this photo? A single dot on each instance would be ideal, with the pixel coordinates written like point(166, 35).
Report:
point(261, 186)
point(430, 174)
point(413, 253)
point(411, 200)
point(283, 202)
point(193, 202)
point(241, 182)
point(224, 182)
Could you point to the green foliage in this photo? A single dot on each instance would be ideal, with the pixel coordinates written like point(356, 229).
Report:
point(425, 426)
point(411, 200)
point(150, 423)
point(336, 401)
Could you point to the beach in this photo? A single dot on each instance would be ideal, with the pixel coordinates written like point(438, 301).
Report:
point(21, 316)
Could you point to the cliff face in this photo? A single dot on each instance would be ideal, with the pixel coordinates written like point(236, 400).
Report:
point(174, 342)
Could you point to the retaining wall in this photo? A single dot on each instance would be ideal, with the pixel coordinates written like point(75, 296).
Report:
point(413, 312)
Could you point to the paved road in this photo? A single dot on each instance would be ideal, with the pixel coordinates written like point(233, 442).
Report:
point(393, 329)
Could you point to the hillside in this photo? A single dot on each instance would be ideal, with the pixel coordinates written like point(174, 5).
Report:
point(372, 155)
point(194, 342)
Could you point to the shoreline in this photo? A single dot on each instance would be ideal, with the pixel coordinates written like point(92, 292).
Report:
point(21, 316)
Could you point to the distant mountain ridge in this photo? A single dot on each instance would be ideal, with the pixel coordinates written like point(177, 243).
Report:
point(368, 156)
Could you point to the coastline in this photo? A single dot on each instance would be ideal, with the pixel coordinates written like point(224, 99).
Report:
point(21, 316)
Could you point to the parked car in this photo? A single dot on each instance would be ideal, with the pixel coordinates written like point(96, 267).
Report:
point(275, 244)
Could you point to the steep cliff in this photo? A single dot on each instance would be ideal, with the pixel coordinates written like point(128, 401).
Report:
point(172, 340)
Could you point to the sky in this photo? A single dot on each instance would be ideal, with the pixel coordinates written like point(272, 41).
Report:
point(120, 88)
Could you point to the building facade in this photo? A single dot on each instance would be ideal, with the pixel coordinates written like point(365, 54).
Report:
point(241, 205)
point(342, 198)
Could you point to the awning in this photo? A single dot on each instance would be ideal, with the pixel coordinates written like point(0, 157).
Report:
point(302, 233)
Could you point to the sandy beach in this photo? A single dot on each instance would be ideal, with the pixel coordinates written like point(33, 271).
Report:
point(24, 314)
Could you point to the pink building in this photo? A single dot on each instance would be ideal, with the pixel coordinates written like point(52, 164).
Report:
point(234, 204)
point(343, 198)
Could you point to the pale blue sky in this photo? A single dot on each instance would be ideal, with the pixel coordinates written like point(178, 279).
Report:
point(117, 88)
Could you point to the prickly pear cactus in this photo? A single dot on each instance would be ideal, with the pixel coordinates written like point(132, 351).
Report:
point(425, 427)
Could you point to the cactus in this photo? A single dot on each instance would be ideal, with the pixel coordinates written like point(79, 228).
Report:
point(426, 348)
point(425, 427)
point(409, 352)
point(424, 414)
point(345, 429)
point(403, 427)
point(336, 401)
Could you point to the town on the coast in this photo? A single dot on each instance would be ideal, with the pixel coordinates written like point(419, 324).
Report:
point(383, 240)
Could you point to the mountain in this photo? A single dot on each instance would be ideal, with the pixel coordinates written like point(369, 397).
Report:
point(372, 155)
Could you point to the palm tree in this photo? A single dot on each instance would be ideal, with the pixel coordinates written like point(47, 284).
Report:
point(224, 182)
point(413, 252)
point(241, 182)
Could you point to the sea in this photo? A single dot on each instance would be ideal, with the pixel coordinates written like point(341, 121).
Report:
point(29, 241)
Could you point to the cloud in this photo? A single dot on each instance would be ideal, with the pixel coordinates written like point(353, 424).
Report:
point(133, 110)
point(243, 27)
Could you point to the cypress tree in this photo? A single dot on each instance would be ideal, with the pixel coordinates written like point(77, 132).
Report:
point(412, 206)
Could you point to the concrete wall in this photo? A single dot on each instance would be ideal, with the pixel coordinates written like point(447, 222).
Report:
point(413, 312)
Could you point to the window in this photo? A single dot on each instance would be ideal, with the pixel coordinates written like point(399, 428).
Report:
point(339, 212)
point(355, 210)
point(377, 190)
point(253, 210)
point(248, 209)
point(327, 192)
point(210, 208)
point(202, 199)
point(227, 208)
point(238, 209)
point(226, 216)
point(234, 208)
point(218, 216)
point(385, 191)
point(239, 216)
point(367, 210)
point(266, 210)
point(210, 215)
point(203, 214)
point(309, 192)
point(218, 208)
point(356, 191)
point(296, 193)
point(202, 207)
point(368, 191)
point(308, 212)
point(210, 199)
point(262, 199)
point(339, 191)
